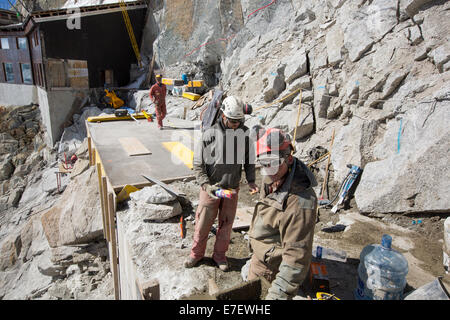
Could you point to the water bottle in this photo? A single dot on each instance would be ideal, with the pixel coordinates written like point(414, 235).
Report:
point(330, 254)
point(381, 272)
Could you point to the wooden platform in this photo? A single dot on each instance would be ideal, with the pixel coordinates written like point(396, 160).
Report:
point(124, 161)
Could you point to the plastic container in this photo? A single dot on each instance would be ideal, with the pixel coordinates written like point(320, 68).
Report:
point(434, 290)
point(381, 272)
point(330, 254)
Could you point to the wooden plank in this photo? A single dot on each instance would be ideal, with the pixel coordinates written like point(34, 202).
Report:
point(99, 175)
point(114, 259)
point(105, 201)
point(57, 73)
point(243, 218)
point(133, 147)
point(94, 154)
point(91, 163)
point(78, 73)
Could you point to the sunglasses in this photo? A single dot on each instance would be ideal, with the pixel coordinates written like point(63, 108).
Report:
point(235, 121)
point(271, 163)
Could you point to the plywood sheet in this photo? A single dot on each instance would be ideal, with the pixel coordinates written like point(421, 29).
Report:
point(78, 73)
point(133, 147)
point(56, 73)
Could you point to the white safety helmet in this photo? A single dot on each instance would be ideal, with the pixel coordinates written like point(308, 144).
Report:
point(233, 108)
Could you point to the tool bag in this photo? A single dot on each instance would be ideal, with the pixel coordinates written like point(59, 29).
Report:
point(212, 111)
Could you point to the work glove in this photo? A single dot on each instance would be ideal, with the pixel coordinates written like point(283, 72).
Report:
point(275, 293)
point(211, 190)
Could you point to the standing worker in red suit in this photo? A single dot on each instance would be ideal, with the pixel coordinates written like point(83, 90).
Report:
point(158, 96)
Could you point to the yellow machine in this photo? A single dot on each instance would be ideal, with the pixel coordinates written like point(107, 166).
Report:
point(112, 99)
point(326, 296)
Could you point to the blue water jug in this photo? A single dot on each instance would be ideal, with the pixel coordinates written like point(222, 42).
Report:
point(381, 272)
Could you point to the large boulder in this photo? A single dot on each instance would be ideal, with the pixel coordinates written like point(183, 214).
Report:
point(155, 203)
point(157, 212)
point(76, 217)
point(275, 83)
point(153, 194)
point(440, 56)
point(8, 144)
point(296, 65)
point(412, 164)
point(411, 7)
point(6, 169)
point(365, 25)
point(286, 120)
point(334, 41)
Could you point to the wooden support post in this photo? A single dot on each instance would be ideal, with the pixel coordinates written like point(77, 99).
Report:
point(102, 200)
point(149, 290)
point(113, 247)
point(91, 158)
point(105, 201)
point(326, 169)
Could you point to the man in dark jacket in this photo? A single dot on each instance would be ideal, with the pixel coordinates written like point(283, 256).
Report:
point(282, 228)
point(218, 161)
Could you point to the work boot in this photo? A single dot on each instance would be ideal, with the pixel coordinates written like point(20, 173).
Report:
point(191, 262)
point(222, 265)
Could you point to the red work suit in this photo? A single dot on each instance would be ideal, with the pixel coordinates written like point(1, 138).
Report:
point(158, 96)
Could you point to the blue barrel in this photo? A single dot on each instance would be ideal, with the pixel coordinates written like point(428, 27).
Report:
point(381, 272)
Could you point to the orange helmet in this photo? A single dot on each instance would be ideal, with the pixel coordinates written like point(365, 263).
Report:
point(273, 143)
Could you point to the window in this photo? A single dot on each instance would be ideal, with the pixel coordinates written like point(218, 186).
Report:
point(26, 73)
point(5, 43)
point(9, 72)
point(22, 43)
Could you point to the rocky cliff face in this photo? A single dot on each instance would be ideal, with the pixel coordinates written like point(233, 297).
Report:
point(376, 72)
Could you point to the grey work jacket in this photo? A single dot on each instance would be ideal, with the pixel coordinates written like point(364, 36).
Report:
point(220, 155)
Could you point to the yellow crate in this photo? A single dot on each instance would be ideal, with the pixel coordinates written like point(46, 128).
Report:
point(191, 96)
point(167, 81)
point(196, 83)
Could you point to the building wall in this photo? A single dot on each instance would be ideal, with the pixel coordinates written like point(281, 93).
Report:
point(15, 56)
point(17, 94)
point(57, 108)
